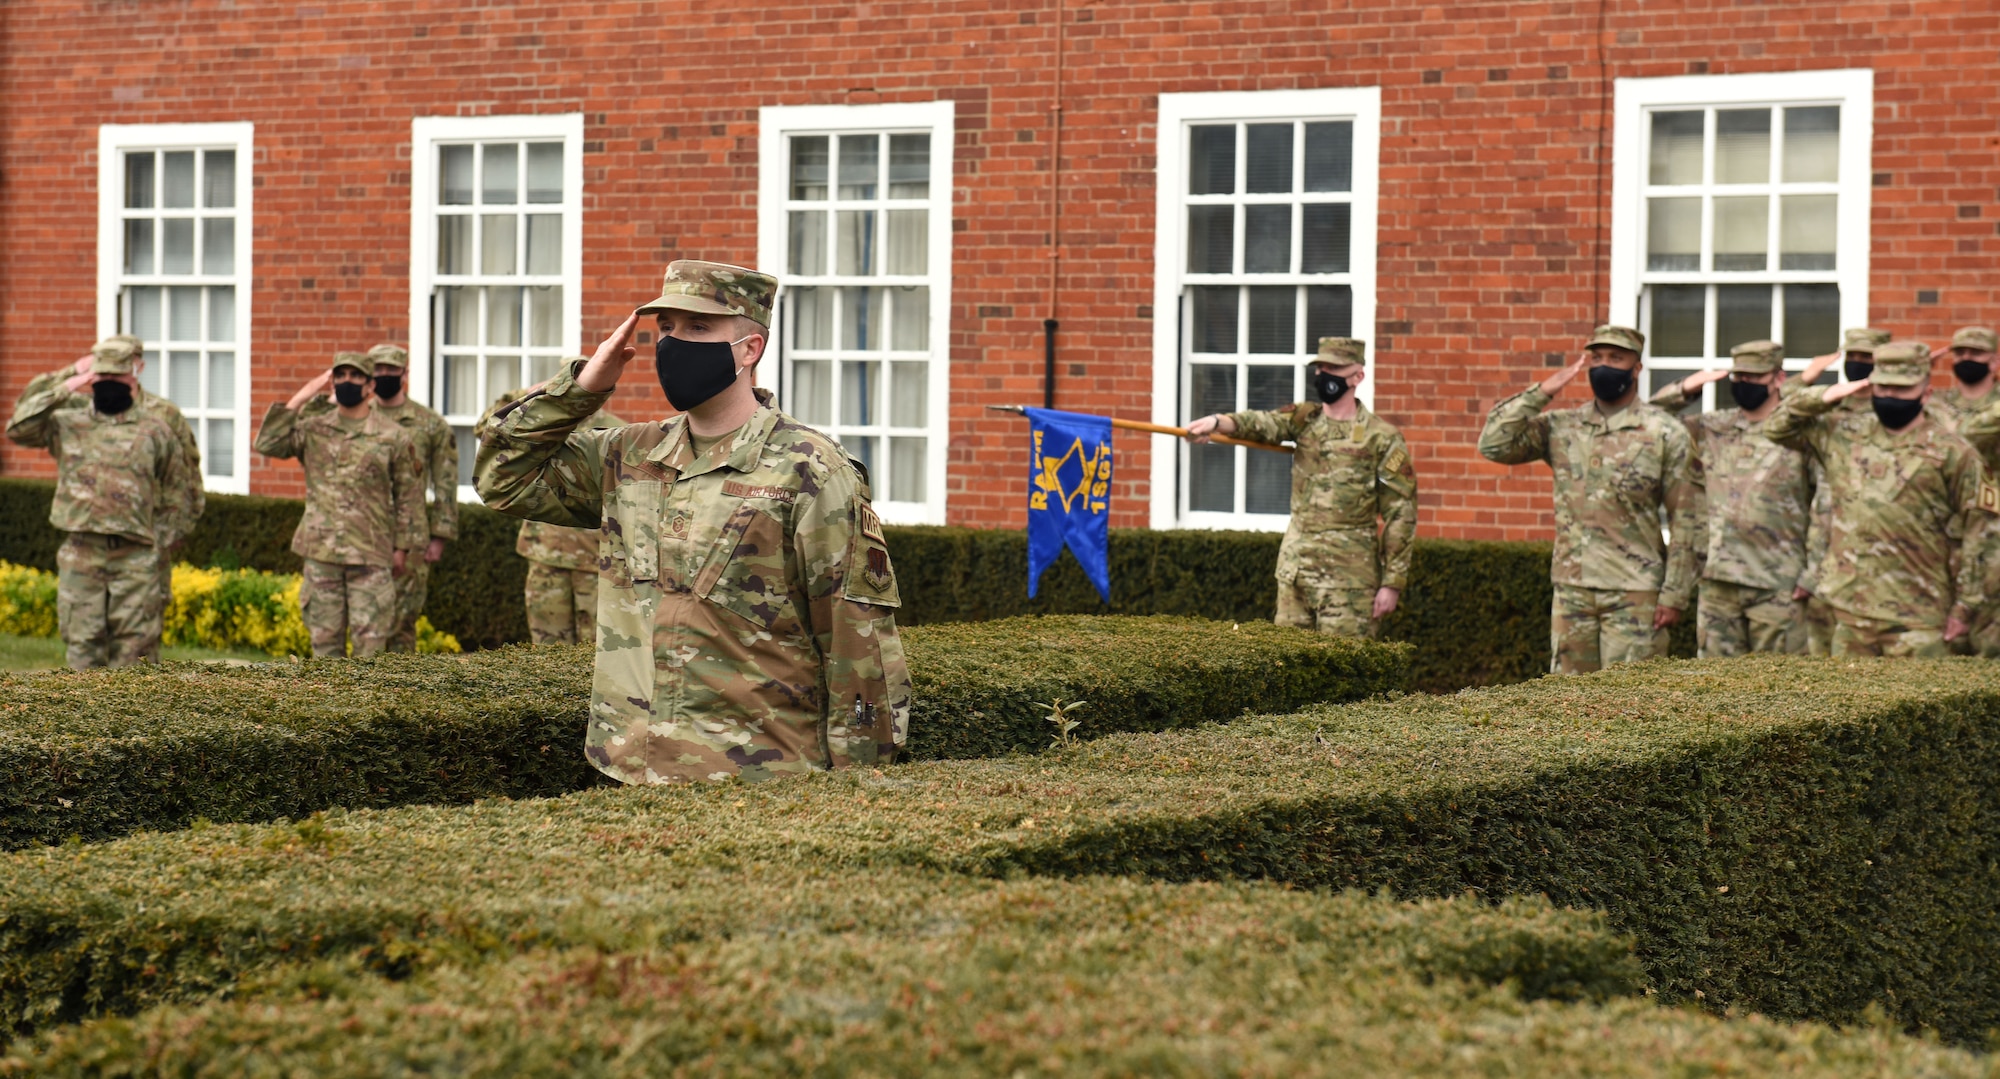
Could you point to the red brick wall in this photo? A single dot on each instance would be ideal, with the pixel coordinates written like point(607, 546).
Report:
point(1492, 207)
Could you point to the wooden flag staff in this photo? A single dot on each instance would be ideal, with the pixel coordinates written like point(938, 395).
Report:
point(1162, 429)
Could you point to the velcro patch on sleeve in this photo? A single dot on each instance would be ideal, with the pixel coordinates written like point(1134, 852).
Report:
point(749, 490)
point(1989, 496)
point(870, 576)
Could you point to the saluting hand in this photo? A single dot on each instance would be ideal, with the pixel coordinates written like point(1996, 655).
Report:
point(1818, 366)
point(1847, 389)
point(600, 375)
point(315, 388)
point(1693, 383)
point(1554, 384)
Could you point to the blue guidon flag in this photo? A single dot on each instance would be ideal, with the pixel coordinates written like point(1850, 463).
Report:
point(1069, 494)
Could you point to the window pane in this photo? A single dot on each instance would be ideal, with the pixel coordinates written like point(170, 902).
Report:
point(809, 167)
point(1812, 319)
point(545, 244)
point(860, 392)
point(1743, 146)
point(184, 378)
point(543, 368)
point(808, 242)
point(1211, 238)
point(1325, 239)
point(545, 179)
point(139, 246)
point(908, 242)
point(184, 314)
point(177, 187)
point(146, 313)
point(218, 180)
point(909, 166)
point(861, 318)
point(455, 175)
point(906, 469)
point(1213, 311)
point(1329, 313)
point(1679, 313)
point(461, 385)
point(1267, 482)
point(1806, 232)
point(854, 254)
point(863, 449)
point(545, 316)
point(1267, 164)
point(222, 380)
point(496, 243)
point(1675, 156)
point(499, 173)
point(468, 452)
point(1274, 318)
point(1742, 232)
point(1673, 234)
point(910, 308)
point(461, 315)
point(860, 165)
point(1812, 145)
point(1267, 239)
point(222, 314)
point(812, 391)
point(218, 245)
point(503, 315)
point(1213, 389)
point(139, 181)
point(908, 393)
point(454, 244)
point(503, 373)
point(149, 375)
point(177, 245)
point(1742, 313)
point(219, 458)
point(1269, 387)
point(812, 318)
point(1212, 159)
point(1330, 156)
point(1212, 469)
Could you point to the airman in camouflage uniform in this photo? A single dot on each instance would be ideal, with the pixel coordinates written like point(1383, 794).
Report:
point(364, 516)
point(561, 590)
point(1857, 356)
point(1618, 584)
point(437, 448)
point(127, 496)
point(746, 604)
point(1972, 409)
point(1905, 498)
point(1351, 468)
point(1759, 499)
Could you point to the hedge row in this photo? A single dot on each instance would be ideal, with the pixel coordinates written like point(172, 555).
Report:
point(1782, 835)
point(102, 755)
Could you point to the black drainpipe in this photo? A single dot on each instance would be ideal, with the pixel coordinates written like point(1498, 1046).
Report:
point(1049, 363)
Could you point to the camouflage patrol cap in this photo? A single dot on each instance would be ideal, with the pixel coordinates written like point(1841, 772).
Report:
point(113, 356)
point(714, 288)
point(1978, 337)
point(1862, 339)
point(1624, 337)
point(1756, 358)
point(133, 338)
point(1903, 363)
point(356, 360)
point(1341, 351)
point(389, 356)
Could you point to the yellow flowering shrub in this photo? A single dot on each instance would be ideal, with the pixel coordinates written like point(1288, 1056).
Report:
point(27, 601)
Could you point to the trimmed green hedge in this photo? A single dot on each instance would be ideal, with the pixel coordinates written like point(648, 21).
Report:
point(108, 753)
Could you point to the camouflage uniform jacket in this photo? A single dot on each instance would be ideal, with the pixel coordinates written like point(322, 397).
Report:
point(1759, 497)
point(552, 545)
point(1973, 420)
point(1903, 503)
point(437, 448)
point(364, 484)
point(1613, 474)
point(1345, 475)
point(746, 604)
point(123, 475)
point(146, 404)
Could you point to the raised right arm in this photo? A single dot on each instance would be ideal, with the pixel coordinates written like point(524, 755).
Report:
point(535, 464)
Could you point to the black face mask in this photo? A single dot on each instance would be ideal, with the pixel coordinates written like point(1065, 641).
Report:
point(693, 371)
point(1609, 383)
point(1895, 412)
point(348, 393)
point(1749, 396)
point(1972, 372)
point(1858, 369)
point(110, 397)
point(387, 386)
point(1329, 387)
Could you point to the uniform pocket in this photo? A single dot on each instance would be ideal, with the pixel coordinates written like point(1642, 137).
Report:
point(632, 527)
point(744, 572)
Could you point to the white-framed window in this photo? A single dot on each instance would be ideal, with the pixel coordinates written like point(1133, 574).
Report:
point(173, 268)
point(1265, 243)
point(854, 215)
point(1740, 213)
point(496, 260)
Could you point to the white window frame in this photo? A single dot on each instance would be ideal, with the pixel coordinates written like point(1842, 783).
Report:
point(1852, 89)
point(426, 133)
point(1362, 105)
point(113, 140)
point(775, 124)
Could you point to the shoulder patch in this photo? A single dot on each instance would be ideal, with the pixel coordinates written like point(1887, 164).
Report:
point(1397, 461)
point(870, 578)
point(1989, 496)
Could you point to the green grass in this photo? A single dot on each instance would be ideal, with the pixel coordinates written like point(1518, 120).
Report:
point(46, 653)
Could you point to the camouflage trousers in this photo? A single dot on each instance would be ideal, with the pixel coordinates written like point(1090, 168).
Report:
point(412, 589)
point(1342, 612)
point(1592, 628)
point(110, 598)
point(1983, 638)
point(562, 604)
point(1736, 620)
point(1819, 627)
point(1854, 635)
point(341, 601)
